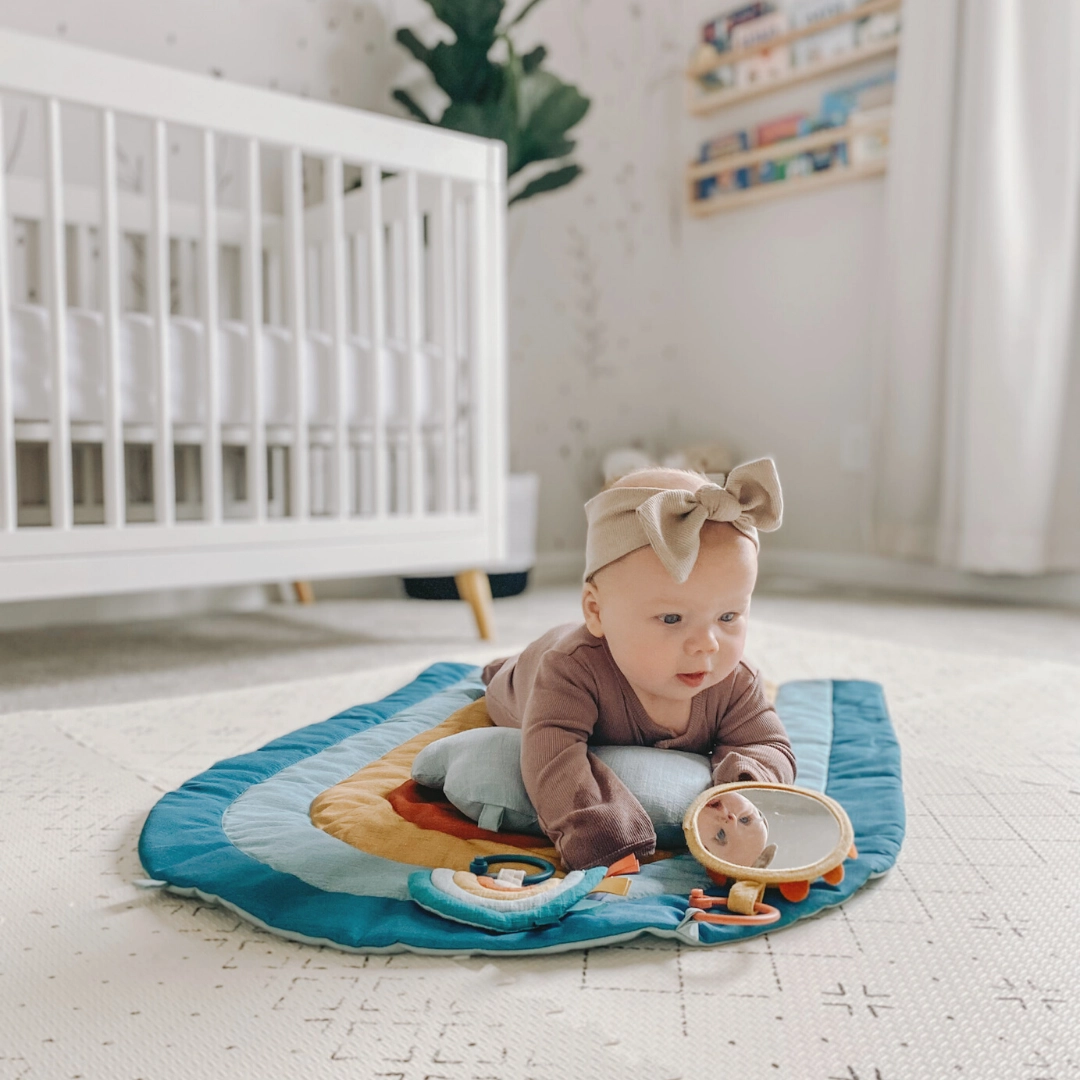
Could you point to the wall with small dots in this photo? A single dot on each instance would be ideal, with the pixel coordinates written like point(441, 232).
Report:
point(589, 297)
point(628, 322)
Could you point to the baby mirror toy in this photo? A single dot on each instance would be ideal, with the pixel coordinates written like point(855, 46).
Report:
point(763, 835)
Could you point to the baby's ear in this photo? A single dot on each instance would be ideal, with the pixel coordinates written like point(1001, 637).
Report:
point(766, 857)
point(590, 608)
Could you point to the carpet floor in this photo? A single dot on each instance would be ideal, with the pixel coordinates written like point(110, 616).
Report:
point(961, 961)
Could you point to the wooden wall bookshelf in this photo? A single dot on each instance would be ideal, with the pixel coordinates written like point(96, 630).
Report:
point(709, 101)
point(703, 101)
point(779, 189)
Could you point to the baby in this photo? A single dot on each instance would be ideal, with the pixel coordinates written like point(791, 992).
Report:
point(671, 562)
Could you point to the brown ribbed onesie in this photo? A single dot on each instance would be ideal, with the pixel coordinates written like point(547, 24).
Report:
point(566, 693)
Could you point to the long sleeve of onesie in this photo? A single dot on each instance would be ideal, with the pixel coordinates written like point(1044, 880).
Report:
point(564, 691)
point(584, 808)
point(752, 743)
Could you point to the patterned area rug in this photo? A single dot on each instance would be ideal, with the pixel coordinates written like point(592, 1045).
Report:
point(960, 962)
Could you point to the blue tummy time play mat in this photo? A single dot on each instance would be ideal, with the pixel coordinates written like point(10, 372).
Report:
point(323, 837)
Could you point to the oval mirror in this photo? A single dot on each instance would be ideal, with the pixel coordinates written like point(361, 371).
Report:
point(780, 833)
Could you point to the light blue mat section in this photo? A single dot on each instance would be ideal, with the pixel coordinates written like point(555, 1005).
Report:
point(806, 708)
point(270, 821)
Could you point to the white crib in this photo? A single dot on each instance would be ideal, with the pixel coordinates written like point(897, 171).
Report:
point(243, 336)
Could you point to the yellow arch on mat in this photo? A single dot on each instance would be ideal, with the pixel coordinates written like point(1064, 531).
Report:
point(357, 811)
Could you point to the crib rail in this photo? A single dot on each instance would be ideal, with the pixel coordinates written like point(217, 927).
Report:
point(302, 376)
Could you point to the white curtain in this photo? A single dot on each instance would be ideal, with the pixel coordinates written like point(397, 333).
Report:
point(978, 404)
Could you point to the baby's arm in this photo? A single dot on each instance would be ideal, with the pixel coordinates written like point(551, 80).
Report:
point(591, 817)
point(751, 742)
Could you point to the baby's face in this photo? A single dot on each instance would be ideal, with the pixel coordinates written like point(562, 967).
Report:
point(731, 828)
point(672, 641)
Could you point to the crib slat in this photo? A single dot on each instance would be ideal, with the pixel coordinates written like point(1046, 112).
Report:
point(109, 245)
point(186, 277)
point(335, 239)
point(252, 295)
point(414, 343)
point(208, 282)
point(8, 500)
point(293, 192)
point(157, 258)
point(84, 275)
point(463, 339)
point(361, 326)
point(444, 277)
point(489, 464)
point(377, 323)
point(273, 288)
point(487, 447)
point(60, 505)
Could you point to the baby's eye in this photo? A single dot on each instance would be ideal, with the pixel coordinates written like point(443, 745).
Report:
point(744, 821)
point(728, 616)
point(670, 620)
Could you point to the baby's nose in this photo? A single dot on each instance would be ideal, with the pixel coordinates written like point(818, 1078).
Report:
point(704, 642)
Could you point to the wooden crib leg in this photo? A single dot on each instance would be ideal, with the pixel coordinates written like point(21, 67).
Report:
point(305, 594)
point(473, 586)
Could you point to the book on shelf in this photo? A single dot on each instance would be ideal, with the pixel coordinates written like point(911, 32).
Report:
point(748, 26)
point(863, 108)
point(734, 142)
point(716, 37)
point(865, 94)
point(767, 64)
point(869, 141)
point(717, 31)
point(834, 41)
point(783, 127)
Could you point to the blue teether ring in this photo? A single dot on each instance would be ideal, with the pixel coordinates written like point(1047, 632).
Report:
point(480, 865)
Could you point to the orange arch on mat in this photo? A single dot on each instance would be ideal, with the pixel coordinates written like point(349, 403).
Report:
point(359, 811)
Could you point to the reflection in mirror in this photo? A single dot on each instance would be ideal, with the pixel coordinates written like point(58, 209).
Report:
point(734, 829)
point(803, 829)
point(768, 827)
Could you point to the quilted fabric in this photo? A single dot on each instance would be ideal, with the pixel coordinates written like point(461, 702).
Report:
point(240, 833)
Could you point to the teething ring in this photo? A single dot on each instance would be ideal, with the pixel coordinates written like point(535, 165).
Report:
point(763, 913)
point(480, 865)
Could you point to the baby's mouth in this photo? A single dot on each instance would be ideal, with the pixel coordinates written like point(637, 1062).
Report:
point(693, 678)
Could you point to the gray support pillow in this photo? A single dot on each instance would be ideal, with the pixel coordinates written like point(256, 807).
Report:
point(479, 772)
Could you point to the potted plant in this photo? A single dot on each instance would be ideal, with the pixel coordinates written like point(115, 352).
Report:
point(499, 93)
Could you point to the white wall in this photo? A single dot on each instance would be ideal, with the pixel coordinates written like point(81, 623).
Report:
point(628, 320)
point(631, 320)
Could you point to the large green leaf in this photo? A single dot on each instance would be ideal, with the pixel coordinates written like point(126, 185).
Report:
point(461, 69)
point(495, 120)
point(471, 20)
point(547, 109)
point(411, 42)
point(533, 59)
point(512, 100)
point(409, 102)
point(549, 181)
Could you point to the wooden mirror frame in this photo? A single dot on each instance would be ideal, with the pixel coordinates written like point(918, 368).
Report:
point(768, 876)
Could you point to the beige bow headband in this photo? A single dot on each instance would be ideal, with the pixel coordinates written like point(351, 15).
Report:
point(623, 519)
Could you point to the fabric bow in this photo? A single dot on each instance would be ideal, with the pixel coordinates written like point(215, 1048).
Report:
point(670, 520)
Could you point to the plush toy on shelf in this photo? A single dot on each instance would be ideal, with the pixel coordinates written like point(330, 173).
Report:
point(714, 459)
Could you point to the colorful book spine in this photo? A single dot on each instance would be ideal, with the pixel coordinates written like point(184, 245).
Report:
point(769, 63)
point(717, 31)
point(783, 127)
point(733, 143)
